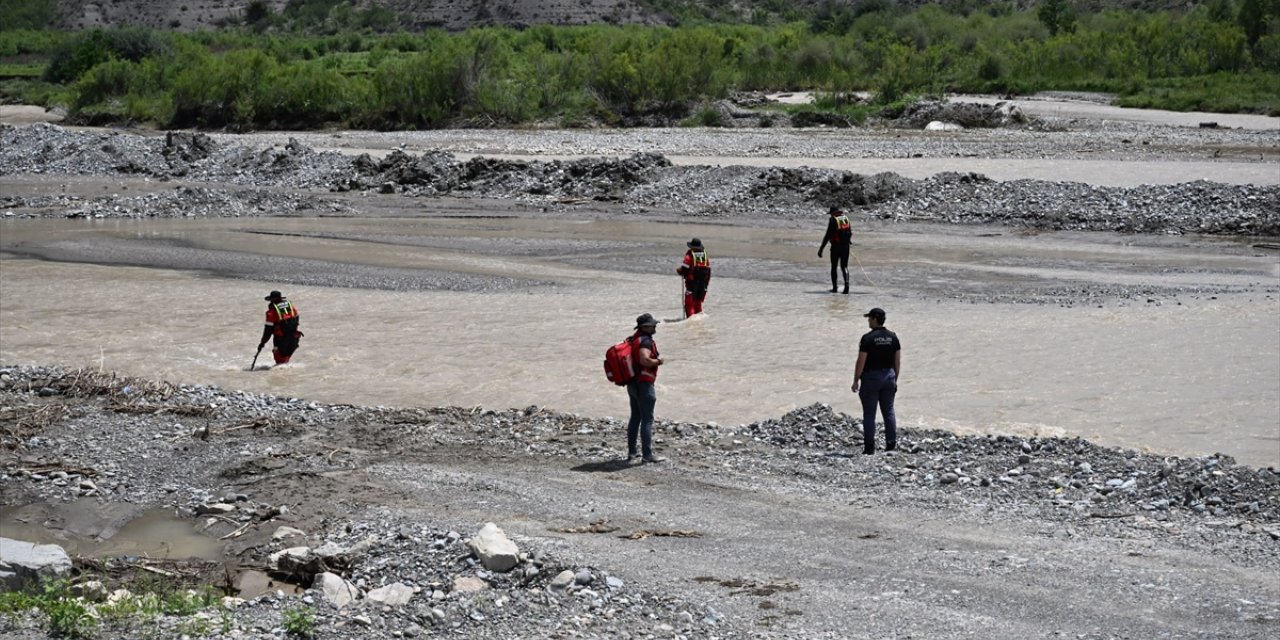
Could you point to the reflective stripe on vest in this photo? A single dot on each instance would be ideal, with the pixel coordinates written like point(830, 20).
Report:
point(284, 311)
point(842, 223)
point(700, 259)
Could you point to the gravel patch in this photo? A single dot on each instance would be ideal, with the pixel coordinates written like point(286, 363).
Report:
point(640, 181)
point(266, 461)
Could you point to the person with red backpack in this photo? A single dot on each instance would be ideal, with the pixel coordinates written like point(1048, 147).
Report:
point(641, 390)
point(696, 271)
point(281, 327)
point(840, 235)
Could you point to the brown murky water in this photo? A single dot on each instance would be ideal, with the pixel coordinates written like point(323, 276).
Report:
point(94, 530)
point(1182, 374)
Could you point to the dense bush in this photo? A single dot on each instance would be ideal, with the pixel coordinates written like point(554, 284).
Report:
point(72, 58)
point(27, 14)
point(579, 75)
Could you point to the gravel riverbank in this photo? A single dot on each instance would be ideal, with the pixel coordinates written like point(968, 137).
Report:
point(351, 479)
point(644, 181)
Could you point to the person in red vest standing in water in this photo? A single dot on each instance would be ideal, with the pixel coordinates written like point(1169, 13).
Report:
point(840, 235)
point(281, 327)
point(696, 271)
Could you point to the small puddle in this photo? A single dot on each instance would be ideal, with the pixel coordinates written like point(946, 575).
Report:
point(88, 529)
point(252, 583)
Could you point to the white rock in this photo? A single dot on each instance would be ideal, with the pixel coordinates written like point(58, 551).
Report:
point(216, 508)
point(938, 125)
point(22, 562)
point(468, 584)
point(392, 595)
point(495, 551)
point(337, 591)
point(287, 532)
point(299, 553)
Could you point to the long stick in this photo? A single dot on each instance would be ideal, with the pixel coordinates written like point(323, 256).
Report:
point(255, 358)
point(684, 308)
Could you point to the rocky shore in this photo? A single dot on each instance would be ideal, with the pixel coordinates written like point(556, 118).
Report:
point(644, 181)
point(315, 495)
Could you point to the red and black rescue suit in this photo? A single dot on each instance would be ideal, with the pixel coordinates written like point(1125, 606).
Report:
point(696, 270)
point(282, 328)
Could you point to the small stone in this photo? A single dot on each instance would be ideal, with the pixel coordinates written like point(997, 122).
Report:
point(561, 581)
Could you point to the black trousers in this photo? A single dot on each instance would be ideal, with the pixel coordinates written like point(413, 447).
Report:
point(839, 258)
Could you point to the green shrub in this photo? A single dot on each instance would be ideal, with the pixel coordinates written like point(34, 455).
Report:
point(27, 14)
point(74, 57)
point(299, 622)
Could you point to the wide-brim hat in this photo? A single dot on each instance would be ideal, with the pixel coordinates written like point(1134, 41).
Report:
point(274, 295)
point(694, 244)
point(646, 320)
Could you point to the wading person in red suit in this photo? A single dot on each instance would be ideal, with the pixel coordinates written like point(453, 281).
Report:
point(696, 271)
point(281, 327)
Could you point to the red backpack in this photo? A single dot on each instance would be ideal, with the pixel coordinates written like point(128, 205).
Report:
point(618, 367)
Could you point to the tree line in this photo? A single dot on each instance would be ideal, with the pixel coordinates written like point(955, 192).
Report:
point(1207, 59)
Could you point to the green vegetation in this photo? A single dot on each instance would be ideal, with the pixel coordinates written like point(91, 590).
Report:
point(1220, 56)
point(299, 622)
point(28, 14)
point(67, 614)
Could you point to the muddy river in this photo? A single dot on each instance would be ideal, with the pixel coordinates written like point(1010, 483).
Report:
point(1186, 361)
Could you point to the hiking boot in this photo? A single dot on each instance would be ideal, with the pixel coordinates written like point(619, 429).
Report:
point(846, 289)
point(833, 289)
point(654, 458)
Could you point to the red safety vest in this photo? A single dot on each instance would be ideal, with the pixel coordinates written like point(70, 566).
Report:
point(282, 316)
point(843, 230)
point(642, 374)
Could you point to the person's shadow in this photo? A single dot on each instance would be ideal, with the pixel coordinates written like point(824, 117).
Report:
point(605, 466)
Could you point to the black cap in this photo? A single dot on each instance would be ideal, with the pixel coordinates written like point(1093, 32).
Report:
point(646, 319)
point(833, 210)
point(274, 295)
point(694, 244)
point(876, 313)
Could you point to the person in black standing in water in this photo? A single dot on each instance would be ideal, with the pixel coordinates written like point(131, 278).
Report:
point(840, 235)
point(877, 371)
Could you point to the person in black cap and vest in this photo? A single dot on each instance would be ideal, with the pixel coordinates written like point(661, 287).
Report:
point(840, 235)
point(642, 391)
point(281, 327)
point(877, 371)
point(696, 271)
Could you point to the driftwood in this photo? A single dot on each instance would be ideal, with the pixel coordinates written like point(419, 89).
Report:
point(599, 526)
point(666, 533)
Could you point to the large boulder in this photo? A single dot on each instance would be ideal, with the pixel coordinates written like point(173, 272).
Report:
point(495, 551)
point(24, 562)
